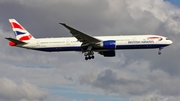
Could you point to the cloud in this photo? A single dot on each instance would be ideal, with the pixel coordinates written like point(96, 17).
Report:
point(115, 81)
point(65, 11)
point(135, 79)
point(164, 16)
point(90, 99)
point(110, 82)
point(10, 91)
point(153, 97)
point(132, 72)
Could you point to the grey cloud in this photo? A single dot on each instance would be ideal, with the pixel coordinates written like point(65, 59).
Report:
point(147, 98)
point(68, 78)
point(108, 77)
point(90, 99)
point(161, 21)
point(169, 62)
point(10, 91)
point(110, 82)
point(154, 97)
point(138, 80)
point(96, 17)
point(42, 20)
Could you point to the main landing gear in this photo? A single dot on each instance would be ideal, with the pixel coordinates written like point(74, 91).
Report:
point(89, 55)
point(160, 51)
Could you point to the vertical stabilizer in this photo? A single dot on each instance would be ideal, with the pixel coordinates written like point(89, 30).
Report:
point(20, 32)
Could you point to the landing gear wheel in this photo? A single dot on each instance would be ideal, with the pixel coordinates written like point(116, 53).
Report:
point(89, 55)
point(160, 50)
point(159, 53)
point(85, 54)
point(86, 58)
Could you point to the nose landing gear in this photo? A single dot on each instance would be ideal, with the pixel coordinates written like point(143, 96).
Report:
point(160, 51)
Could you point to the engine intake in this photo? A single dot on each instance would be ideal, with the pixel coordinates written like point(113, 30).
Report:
point(109, 44)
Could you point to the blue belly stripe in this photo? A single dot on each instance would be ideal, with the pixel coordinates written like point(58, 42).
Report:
point(78, 48)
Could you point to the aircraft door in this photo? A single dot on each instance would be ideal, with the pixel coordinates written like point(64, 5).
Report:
point(38, 44)
point(67, 42)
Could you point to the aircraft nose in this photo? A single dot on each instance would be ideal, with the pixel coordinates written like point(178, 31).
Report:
point(170, 42)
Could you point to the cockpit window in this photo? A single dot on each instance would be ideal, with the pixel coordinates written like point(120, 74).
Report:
point(160, 39)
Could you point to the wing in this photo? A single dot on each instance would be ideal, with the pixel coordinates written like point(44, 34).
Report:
point(82, 37)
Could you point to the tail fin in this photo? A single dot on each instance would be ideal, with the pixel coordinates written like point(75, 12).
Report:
point(20, 32)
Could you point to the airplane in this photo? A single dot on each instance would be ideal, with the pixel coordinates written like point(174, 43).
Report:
point(81, 42)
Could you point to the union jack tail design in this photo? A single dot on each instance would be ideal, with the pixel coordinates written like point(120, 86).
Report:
point(20, 32)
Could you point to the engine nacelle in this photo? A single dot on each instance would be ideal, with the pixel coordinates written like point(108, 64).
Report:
point(108, 53)
point(109, 44)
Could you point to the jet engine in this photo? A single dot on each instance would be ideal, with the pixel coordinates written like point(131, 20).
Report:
point(108, 53)
point(109, 44)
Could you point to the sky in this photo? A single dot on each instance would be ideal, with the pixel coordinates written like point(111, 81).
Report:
point(133, 75)
point(175, 2)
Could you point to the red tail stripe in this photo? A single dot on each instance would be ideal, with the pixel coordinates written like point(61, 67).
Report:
point(25, 38)
point(15, 25)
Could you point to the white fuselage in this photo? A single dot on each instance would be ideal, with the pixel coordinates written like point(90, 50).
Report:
point(122, 42)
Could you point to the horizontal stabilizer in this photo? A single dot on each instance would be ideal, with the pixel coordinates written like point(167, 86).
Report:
point(15, 41)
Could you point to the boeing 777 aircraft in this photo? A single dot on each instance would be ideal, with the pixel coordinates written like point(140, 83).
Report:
point(81, 42)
